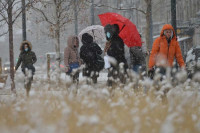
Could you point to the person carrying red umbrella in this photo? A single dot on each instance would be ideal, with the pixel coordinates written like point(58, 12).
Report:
point(119, 30)
point(115, 48)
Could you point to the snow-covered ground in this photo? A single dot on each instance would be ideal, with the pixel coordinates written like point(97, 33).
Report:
point(139, 106)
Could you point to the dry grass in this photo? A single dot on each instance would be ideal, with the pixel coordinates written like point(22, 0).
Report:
point(101, 110)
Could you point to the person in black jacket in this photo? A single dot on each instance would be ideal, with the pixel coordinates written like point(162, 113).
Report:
point(90, 53)
point(137, 57)
point(27, 58)
point(115, 48)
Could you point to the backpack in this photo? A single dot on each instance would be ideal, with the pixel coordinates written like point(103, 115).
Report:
point(138, 54)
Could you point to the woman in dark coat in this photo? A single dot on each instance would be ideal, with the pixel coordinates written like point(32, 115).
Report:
point(26, 59)
point(115, 48)
point(90, 54)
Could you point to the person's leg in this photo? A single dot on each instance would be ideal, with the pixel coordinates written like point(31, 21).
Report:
point(162, 71)
point(30, 69)
point(95, 76)
point(33, 72)
point(123, 75)
point(136, 68)
point(94, 79)
point(76, 77)
point(28, 88)
point(110, 76)
point(25, 82)
point(23, 70)
point(88, 75)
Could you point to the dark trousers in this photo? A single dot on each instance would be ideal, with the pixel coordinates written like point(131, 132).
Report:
point(27, 68)
point(74, 76)
point(91, 73)
point(115, 73)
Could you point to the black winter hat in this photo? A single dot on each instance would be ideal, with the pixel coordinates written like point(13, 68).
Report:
point(87, 38)
point(108, 28)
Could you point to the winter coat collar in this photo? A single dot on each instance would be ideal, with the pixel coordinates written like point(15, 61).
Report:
point(25, 42)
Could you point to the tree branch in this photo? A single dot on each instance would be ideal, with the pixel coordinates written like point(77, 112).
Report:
point(16, 17)
point(43, 14)
point(4, 5)
point(27, 5)
point(4, 18)
point(16, 3)
point(116, 8)
point(3, 33)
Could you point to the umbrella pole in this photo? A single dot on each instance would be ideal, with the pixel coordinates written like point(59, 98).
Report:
point(122, 28)
point(93, 34)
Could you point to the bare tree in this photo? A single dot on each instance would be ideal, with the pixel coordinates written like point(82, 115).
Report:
point(10, 10)
point(57, 14)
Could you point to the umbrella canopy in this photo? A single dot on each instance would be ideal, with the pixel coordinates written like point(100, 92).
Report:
point(128, 30)
point(96, 31)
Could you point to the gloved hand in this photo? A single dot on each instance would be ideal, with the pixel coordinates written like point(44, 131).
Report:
point(15, 70)
point(151, 72)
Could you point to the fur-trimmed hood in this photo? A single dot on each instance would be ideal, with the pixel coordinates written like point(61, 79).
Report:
point(70, 42)
point(25, 42)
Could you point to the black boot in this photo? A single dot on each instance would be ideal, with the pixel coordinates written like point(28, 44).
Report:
point(94, 79)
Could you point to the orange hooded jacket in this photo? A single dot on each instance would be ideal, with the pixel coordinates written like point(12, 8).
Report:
point(162, 54)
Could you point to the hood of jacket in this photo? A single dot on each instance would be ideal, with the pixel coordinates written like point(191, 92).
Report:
point(87, 39)
point(168, 27)
point(112, 29)
point(25, 42)
point(70, 42)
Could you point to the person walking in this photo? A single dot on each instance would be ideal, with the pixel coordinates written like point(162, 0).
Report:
point(137, 58)
point(71, 58)
point(90, 53)
point(115, 48)
point(165, 49)
point(26, 59)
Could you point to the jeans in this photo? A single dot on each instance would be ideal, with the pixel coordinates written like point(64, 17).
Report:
point(136, 68)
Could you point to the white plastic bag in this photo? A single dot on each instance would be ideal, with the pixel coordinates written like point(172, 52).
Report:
point(107, 63)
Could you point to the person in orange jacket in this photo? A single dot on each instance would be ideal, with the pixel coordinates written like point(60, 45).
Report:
point(164, 49)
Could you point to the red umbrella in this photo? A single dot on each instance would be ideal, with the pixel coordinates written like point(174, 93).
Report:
point(128, 30)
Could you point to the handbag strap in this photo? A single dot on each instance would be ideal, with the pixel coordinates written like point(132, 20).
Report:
point(108, 44)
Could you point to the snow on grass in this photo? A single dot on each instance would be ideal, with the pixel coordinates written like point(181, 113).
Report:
point(141, 105)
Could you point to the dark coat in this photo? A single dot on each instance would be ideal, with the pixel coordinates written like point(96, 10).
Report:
point(116, 48)
point(137, 56)
point(27, 59)
point(89, 52)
